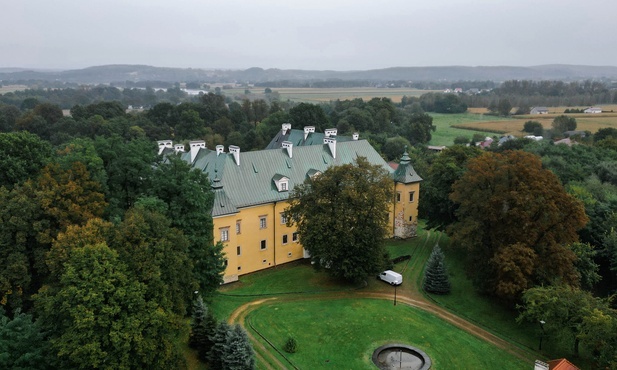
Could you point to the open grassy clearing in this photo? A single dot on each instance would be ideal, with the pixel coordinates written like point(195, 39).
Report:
point(450, 126)
point(343, 333)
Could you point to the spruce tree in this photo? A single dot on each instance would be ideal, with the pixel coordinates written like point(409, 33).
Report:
point(198, 319)
point(219, 346)
point(203, 326)
point(435, 275)
point(239, 353)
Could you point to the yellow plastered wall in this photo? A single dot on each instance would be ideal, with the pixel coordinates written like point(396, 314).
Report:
point(259, 247)
point(404, 218)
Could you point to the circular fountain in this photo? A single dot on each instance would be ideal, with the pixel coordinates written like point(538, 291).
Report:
point(401, 356)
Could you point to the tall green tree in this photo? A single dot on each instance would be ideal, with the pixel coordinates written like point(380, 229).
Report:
point(22, 155)
point(562, 309)
point(341, 216)
point(564, 123)
point(239, 353)
point(189, 200)
point(22, 343)
point(513, 216)
point(156, 255)
point(306, 114)
point(435, 203)
point(98, 317)
point(417, 128)
point(435, 274)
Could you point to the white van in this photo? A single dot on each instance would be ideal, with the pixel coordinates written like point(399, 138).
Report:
point(389, 276)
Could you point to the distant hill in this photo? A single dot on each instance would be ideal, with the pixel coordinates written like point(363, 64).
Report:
point(136, 73)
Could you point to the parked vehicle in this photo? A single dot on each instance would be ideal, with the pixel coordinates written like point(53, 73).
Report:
point(391, 277)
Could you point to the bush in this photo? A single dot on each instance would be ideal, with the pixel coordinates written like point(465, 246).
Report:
point(291, 346)
point(401, 259)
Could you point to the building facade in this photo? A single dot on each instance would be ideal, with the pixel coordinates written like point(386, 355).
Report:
point(251, 191)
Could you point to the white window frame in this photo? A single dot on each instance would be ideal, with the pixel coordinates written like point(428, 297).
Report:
point(263, 245)
point(263, 222)
point(224, 234)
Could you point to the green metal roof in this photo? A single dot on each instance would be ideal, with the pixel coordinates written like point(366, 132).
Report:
point(297, 138)
point(405, 172)
point(250, 183)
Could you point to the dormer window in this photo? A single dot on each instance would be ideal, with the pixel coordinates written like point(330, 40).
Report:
point(312, 173)
point(281, 182)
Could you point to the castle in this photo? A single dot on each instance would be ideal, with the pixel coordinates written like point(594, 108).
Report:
point(251, 191)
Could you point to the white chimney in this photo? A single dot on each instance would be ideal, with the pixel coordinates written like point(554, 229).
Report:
point(331, 141)
point(235, 150)
point(195, 147)
point(308, 130)
point(164, 144)
point(289, 146)
point(285, 127)
point(355, 136)
point(220, 149)
point(179, 148)
point(330, 132)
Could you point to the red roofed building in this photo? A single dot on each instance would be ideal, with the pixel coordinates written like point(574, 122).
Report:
point(561, 364)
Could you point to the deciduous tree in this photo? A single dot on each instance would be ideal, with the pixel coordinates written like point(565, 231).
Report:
point(515, 220)
point(341, 217)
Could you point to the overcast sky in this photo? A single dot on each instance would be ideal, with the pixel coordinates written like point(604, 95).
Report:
point(317, 34)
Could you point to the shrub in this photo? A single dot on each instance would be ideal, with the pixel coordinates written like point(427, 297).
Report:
point(291, 346)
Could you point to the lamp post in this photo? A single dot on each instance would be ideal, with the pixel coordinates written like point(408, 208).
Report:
point(395, 295)
point(542, 322)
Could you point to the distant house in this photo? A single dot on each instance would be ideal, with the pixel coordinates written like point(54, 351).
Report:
point(447, 91)
point(503, 139)
point(539, 110)
point(579, 133)
point(485, 144)
point(535, 138)
point(565, 141)
point(436, 148)
point(593, 110)
point(458, 90)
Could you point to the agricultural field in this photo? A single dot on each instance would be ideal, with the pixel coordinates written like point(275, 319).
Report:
point(514, 126)
point(324, 95)
point(10, 88)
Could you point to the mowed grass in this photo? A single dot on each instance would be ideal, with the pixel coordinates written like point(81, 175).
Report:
point(343, 333)
point(291, 278)
point(450, 126)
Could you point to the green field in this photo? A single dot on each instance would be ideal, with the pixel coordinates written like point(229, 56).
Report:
point(343, 333)
point(445, 133)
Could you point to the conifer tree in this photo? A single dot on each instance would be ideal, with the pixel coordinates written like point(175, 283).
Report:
point(219, 345)
point(435, 275)
point(239, 353)
point(203, 326)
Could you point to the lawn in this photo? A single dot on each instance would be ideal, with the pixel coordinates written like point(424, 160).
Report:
point(445, 132)
point(343, 333)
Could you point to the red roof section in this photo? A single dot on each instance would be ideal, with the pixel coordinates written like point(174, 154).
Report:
point(561, 364)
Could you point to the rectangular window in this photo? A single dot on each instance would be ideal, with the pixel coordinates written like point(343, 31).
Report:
point(294, 237)
point(398, 196)
point(410, 218)
point(226, 262)
point(262, 222)
point(238, 250)
point(412, 196)
point(283, 218)
point(262, 246)
point(285, 239)
point(225, 234)
point(283, 186)
point(238, 227)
